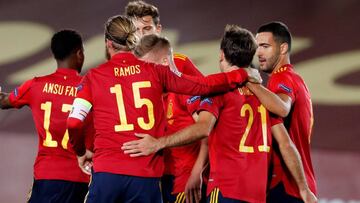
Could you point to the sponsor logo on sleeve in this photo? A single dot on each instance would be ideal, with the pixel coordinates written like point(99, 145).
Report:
point(79, 87)
point(284, 87)
point(16, 92)
point(193, 99)
point(206, 101)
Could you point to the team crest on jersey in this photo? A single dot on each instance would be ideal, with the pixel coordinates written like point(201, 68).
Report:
point(206, 101)
point(284, 87)
point(193, 99)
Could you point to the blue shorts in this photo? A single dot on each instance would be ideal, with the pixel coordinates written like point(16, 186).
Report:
point(279, 195)
point(61, 191)
point(108, 188)
point(167, 183)
point(216, 197)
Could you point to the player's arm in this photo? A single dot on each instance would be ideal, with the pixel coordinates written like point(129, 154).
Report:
point(293, 161)
point(148, 144)
point(4, 100)
point(279, 104)
point(75, 124)
point(194, 183)
point(192, 85)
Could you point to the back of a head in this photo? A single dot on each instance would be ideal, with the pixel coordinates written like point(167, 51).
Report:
point(151, 43)
point(64, 43)
point(139, 9)
point(279, 30)
point(121, 31)
point(238, 45)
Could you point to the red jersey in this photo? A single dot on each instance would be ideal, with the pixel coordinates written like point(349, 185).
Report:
point(179, 161)
point(50, 99)
point(126, 97)
point(299, 124)
point(239, 145)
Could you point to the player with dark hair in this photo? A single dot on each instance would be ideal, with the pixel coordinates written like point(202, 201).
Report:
point(240, 138)
point(57, 177)
point(181, 177)
point(287, 96)
point(125, 95)
point(146, 17)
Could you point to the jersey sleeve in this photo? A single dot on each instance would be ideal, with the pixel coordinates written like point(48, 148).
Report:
point(275, 119)
point(190, 68)
point(21, 95)
point(191, 103)
point(84, 90)
point(192, 85)
point(282, 84)
point(212, 105)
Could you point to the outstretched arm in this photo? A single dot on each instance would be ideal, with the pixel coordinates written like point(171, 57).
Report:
point(293, 161)
point(148, 144)
point(279, 104)
point(4, 100)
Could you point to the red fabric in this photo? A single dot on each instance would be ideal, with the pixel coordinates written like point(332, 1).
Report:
point(57, 90)
point(125, 70)
point(179, 161)
point(239, 175)
point(299, 125)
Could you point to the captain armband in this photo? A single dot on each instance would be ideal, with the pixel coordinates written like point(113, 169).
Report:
point(80, 109)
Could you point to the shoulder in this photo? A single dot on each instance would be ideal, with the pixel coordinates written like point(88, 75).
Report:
point(179, 56)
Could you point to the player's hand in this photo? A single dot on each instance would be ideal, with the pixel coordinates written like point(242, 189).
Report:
point(85, 162)
point(193, 188)
point(145, 146)
point(307, 196)
point(253, 75)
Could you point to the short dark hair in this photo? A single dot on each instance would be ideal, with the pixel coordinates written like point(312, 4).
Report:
point(151, 43)
point(238, 45)
point(64, 43)
point(279, 30)
point(140, 9)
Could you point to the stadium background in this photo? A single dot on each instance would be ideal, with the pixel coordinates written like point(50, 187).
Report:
point(326, 53)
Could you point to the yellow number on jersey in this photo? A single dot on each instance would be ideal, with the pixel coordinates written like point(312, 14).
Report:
point(49, 142)
point(249, 149)
point(139, 102)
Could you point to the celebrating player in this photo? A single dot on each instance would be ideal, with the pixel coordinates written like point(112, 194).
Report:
point(289, 98)
point(179, 178)
point(240, 143)
point(125, 95)
point(57, 177)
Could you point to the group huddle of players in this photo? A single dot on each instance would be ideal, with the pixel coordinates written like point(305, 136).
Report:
point(147, 126)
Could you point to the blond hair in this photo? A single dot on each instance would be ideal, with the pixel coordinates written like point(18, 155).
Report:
point(151, 43)
point(121, 31)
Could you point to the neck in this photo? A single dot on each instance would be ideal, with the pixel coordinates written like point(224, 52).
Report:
point(283, 60)
point(66, 64)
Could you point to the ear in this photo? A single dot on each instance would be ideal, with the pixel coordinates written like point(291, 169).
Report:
point(159, 28)
point(222, 55)
point(108, 43)
point(284, 47)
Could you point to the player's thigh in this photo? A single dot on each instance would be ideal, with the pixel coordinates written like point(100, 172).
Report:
point(279, 195)
point(167, 185)
point(57, 191)
point(142, 190)
point(216, 197)
point(105, 188)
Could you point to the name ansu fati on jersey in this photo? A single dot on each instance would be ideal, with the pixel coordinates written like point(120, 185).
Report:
point(126, 71)
point(53, 88)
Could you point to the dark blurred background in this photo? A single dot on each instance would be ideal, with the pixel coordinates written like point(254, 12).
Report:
point(326, 52)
